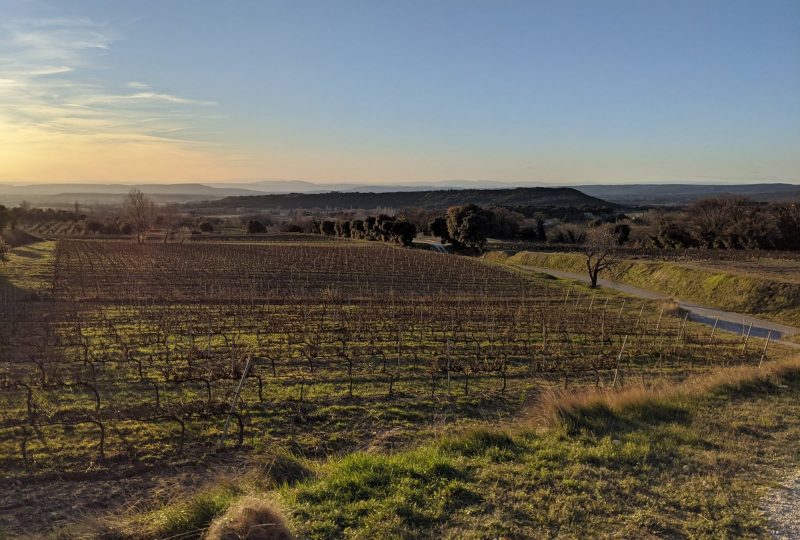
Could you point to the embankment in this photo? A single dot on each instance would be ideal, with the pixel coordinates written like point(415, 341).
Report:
point(771, 299)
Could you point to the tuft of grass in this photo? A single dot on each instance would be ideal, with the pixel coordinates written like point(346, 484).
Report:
point(250, 518)
point(186, 517)
point(686, 460)
point(281, 468)
point(480, 442)
point(396, 496)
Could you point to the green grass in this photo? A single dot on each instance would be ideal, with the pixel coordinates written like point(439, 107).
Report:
point(454, 486)
point(186, 518)
point(29, 268)
point(769, 298)
point(686, 463)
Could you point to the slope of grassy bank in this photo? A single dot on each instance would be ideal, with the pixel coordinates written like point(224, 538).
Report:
point(690, 461)
point(768, 298)
point(29, 269)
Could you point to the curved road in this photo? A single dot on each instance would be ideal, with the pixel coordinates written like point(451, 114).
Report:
point(729, 321)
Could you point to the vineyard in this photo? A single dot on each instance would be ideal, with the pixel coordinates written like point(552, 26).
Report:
point(138, 354)
point(56, 228)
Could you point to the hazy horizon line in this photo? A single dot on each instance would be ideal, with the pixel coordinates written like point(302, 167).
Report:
point(443, 183)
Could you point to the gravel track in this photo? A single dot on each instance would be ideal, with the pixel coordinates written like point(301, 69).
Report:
point(725, 320)
point(781, 507)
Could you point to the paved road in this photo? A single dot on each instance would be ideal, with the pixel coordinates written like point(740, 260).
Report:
point(729, 321)
point(435, 246)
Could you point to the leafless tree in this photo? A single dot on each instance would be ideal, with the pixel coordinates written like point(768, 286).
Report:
point(139, 209)
point(4, 249)
point(169, 218)
point(601, 249)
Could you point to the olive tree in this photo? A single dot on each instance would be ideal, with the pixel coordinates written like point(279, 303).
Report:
point(255, 227)
point(470, 225)
point(404, 232)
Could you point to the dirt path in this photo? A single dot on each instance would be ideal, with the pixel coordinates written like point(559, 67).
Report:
point(782, 509)
point(725, 320)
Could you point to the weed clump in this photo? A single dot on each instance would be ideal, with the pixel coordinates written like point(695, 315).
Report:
point(250, 519)
point(282, 468)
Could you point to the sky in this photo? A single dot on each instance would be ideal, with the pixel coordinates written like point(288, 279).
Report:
point(386, 91)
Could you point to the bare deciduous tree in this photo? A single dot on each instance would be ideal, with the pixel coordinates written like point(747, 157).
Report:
point(601, 249)
point(4, 249)
point(169, 218)
point(139, 210)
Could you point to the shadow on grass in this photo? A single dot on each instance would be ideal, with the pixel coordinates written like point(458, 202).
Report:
point(14, 293)
point(28, 254)
point(599, 417)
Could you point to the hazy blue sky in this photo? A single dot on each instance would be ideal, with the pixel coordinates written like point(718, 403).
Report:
point(379, 91)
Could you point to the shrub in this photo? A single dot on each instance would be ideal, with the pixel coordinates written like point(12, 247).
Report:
point(567, 233)
point(357, 228)
point(328, 228)
point(292, 228)
point(470, 225)
point(438, 227)
point(404, 232)
point(343, 229)
point(533, 234)
point(94, 226)
point(255, 227)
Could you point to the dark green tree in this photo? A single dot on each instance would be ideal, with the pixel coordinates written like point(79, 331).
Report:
point(357, 228)
point(438, 227)
point(255, 227)
point(404, 232)
point(328, 228)
point(6, 217)
point(470, 225)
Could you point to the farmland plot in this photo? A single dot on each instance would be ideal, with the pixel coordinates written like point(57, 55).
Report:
point(159, 352)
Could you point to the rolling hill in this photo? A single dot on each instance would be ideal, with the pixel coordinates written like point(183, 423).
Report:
point(532, 196)
point(680, 194)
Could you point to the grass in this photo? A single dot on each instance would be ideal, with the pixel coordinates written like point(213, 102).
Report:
point(518, 481)
point(678, 461)
point(29, 268)
point(184, 518)
point(771, 298)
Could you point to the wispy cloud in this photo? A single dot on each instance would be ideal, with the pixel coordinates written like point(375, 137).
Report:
point(57, 92)
point(46, 64)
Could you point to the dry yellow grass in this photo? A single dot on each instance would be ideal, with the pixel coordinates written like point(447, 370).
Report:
point(250, 518)
point(562, 407)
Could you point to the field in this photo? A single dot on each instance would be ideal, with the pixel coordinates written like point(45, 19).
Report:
point(118, 358)
point(766, 287)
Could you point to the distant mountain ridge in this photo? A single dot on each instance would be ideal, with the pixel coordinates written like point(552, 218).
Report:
point(84, 193)
point(680, 194)
point(64, 195)
point(530, 196)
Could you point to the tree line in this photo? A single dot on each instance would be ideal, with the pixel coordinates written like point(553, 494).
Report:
point(728, 223)
point(381, 227)
point(470, 226)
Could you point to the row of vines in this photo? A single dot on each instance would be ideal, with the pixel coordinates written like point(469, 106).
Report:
point(147, 352)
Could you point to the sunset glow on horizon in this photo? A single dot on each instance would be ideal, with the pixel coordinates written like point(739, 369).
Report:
point(151, 91)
